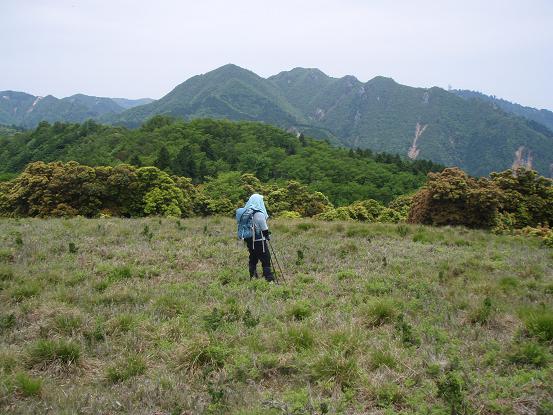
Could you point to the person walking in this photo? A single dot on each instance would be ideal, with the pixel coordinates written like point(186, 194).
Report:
point(253, 229)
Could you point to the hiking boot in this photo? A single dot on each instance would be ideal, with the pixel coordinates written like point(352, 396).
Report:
point(268, 274)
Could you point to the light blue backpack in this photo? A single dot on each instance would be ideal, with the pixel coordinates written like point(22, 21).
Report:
point(246, 227)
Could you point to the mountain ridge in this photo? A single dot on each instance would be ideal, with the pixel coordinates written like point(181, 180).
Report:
point(380, 114)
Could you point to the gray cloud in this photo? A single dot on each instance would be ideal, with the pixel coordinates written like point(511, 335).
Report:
point(143, 48)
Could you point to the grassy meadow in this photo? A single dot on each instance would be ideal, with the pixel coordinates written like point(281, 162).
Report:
point(158, 316)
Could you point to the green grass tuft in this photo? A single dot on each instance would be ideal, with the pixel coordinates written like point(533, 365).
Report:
point(50, 351)
point(130, 367)
point(27, 385)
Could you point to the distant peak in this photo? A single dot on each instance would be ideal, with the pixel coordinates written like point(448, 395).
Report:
point(382, 80)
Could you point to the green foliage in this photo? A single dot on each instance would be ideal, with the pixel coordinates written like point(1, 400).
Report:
point(27, 385)
point(50, 351)
point(451, 388)
point(454, 198)
point(529, 353)
point(204, 149)
point(539, 323)
point(380, 311)
point(130, 367)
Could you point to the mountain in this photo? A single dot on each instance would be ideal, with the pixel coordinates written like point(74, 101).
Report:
point(131, 103)
point(540, 116)
point(381, 115)
point(25, 110)
point(227, 92)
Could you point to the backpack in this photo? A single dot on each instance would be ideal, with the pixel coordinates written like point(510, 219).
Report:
point(246, 228)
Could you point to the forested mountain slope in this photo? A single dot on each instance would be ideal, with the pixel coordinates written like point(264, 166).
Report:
point(204, 148)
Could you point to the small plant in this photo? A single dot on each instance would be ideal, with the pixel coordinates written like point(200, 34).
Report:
point(25, 290)
point(18, 240)
point(299, 257)
point(27, 385)
point(7, 321)
point(49, 351)
point(214, 319)
point(483, 313)
point(298, 338)
point(402, 230)
point(120, 273)
point(130, 367)
point(299, 311)
point(539, 323)
point(381, 311)
point(147, 233)
point(335, 366)
point(201, 352)
point(408, 337)
point(451, 388)
point(388, 395)
point(6, 274)
point(249, 320)
point(346, 275)
point(529, 353)
point(382, 358)
point(73, 248)
point(305, 226)
point(67, 323)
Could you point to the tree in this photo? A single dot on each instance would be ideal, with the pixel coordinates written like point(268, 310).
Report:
point(163, 161)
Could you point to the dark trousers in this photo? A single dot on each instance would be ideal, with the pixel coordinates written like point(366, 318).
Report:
point(259, 252)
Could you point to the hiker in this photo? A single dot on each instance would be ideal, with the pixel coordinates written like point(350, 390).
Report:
point(253, 229)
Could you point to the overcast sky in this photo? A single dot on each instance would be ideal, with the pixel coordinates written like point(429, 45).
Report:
point(139, 48)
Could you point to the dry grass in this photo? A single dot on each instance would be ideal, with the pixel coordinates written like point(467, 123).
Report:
point(99, 316)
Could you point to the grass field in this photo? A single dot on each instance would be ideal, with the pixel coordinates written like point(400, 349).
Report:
point(158, 316)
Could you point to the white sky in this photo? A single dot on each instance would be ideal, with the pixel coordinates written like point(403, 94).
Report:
point(138, 48)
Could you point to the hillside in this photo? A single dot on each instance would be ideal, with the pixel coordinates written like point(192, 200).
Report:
point(541, 116)
point(380, 115)
point(158, 316)
point(204, 148)
point(25, 110)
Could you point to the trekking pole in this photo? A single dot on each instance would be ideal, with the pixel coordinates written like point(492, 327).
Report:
point(277, 279)
point(276, 259)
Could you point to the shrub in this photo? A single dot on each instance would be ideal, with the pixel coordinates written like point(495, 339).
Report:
point(454, 198)
point(130, 367)
point(49, 351)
